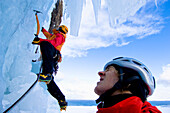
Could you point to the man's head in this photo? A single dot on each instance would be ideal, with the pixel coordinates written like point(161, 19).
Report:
point(124, 74)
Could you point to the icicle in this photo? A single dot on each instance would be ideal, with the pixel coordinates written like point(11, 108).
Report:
point(96, 6)
point(156, 3)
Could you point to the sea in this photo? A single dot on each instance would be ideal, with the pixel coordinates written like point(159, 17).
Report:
point(89, 106)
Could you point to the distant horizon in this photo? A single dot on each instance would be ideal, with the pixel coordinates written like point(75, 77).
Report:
point(94, 100)
point(92, 103)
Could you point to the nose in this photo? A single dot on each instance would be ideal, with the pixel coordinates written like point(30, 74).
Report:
point(101, 73)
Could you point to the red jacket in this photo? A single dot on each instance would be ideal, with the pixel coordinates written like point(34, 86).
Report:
point(57, 39)
point(130, 105)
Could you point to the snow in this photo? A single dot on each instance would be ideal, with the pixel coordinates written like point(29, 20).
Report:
point(164, 109)
point(83, 109)
point(93, 109)
point(17, 26)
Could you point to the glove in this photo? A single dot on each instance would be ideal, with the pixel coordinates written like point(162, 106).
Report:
point(36, 40)
point(42, 29)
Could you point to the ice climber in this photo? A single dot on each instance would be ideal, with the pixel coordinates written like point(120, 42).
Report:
point(124, 86)
point(50, 50)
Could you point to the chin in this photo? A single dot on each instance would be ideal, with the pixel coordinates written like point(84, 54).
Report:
point(98, 91)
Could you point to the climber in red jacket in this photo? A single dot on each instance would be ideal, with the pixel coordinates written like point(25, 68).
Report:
point(50, 48)
point(50, 51)
point(124, 87)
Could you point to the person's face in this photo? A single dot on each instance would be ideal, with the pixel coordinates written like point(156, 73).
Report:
point(108, 78)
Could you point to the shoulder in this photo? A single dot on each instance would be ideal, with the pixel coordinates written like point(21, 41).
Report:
point(130, 105)
point(131, 101)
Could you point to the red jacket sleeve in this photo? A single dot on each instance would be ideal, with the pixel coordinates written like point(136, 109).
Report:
point(46, 33)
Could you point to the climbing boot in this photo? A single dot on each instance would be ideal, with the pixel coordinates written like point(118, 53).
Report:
point(63, 105)
point(45, 78)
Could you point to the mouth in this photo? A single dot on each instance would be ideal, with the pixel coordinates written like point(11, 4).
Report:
point(101, 79)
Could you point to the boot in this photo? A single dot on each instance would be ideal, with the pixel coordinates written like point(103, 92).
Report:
point(45, 78)
point(62, 104)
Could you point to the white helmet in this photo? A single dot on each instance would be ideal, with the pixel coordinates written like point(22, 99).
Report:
point(140, 68)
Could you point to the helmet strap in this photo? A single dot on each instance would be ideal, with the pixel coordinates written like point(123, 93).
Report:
point(121, 78)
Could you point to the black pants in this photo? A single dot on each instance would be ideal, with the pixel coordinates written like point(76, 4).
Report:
point(48, 52)
point(54, 90)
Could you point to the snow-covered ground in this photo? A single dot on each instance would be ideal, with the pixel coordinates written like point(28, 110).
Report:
point(93, 109)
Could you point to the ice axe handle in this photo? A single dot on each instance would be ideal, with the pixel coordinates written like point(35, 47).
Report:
point(38, 24)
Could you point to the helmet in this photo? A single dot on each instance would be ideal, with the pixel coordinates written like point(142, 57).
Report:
point(63, 29)
point(135, 65)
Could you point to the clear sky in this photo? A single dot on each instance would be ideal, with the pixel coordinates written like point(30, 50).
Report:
point(144, 36)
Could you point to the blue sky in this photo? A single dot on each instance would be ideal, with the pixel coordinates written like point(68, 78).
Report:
point(95, 45)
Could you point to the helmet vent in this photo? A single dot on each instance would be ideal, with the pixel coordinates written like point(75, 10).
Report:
point(136, 63)
point(118, 58)
point(146, 69)
point(126, 60)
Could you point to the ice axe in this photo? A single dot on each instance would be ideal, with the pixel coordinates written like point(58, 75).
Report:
point(36, 11)
point(38, 26)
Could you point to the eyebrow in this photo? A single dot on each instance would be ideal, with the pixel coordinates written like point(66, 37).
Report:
point(109, 67)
